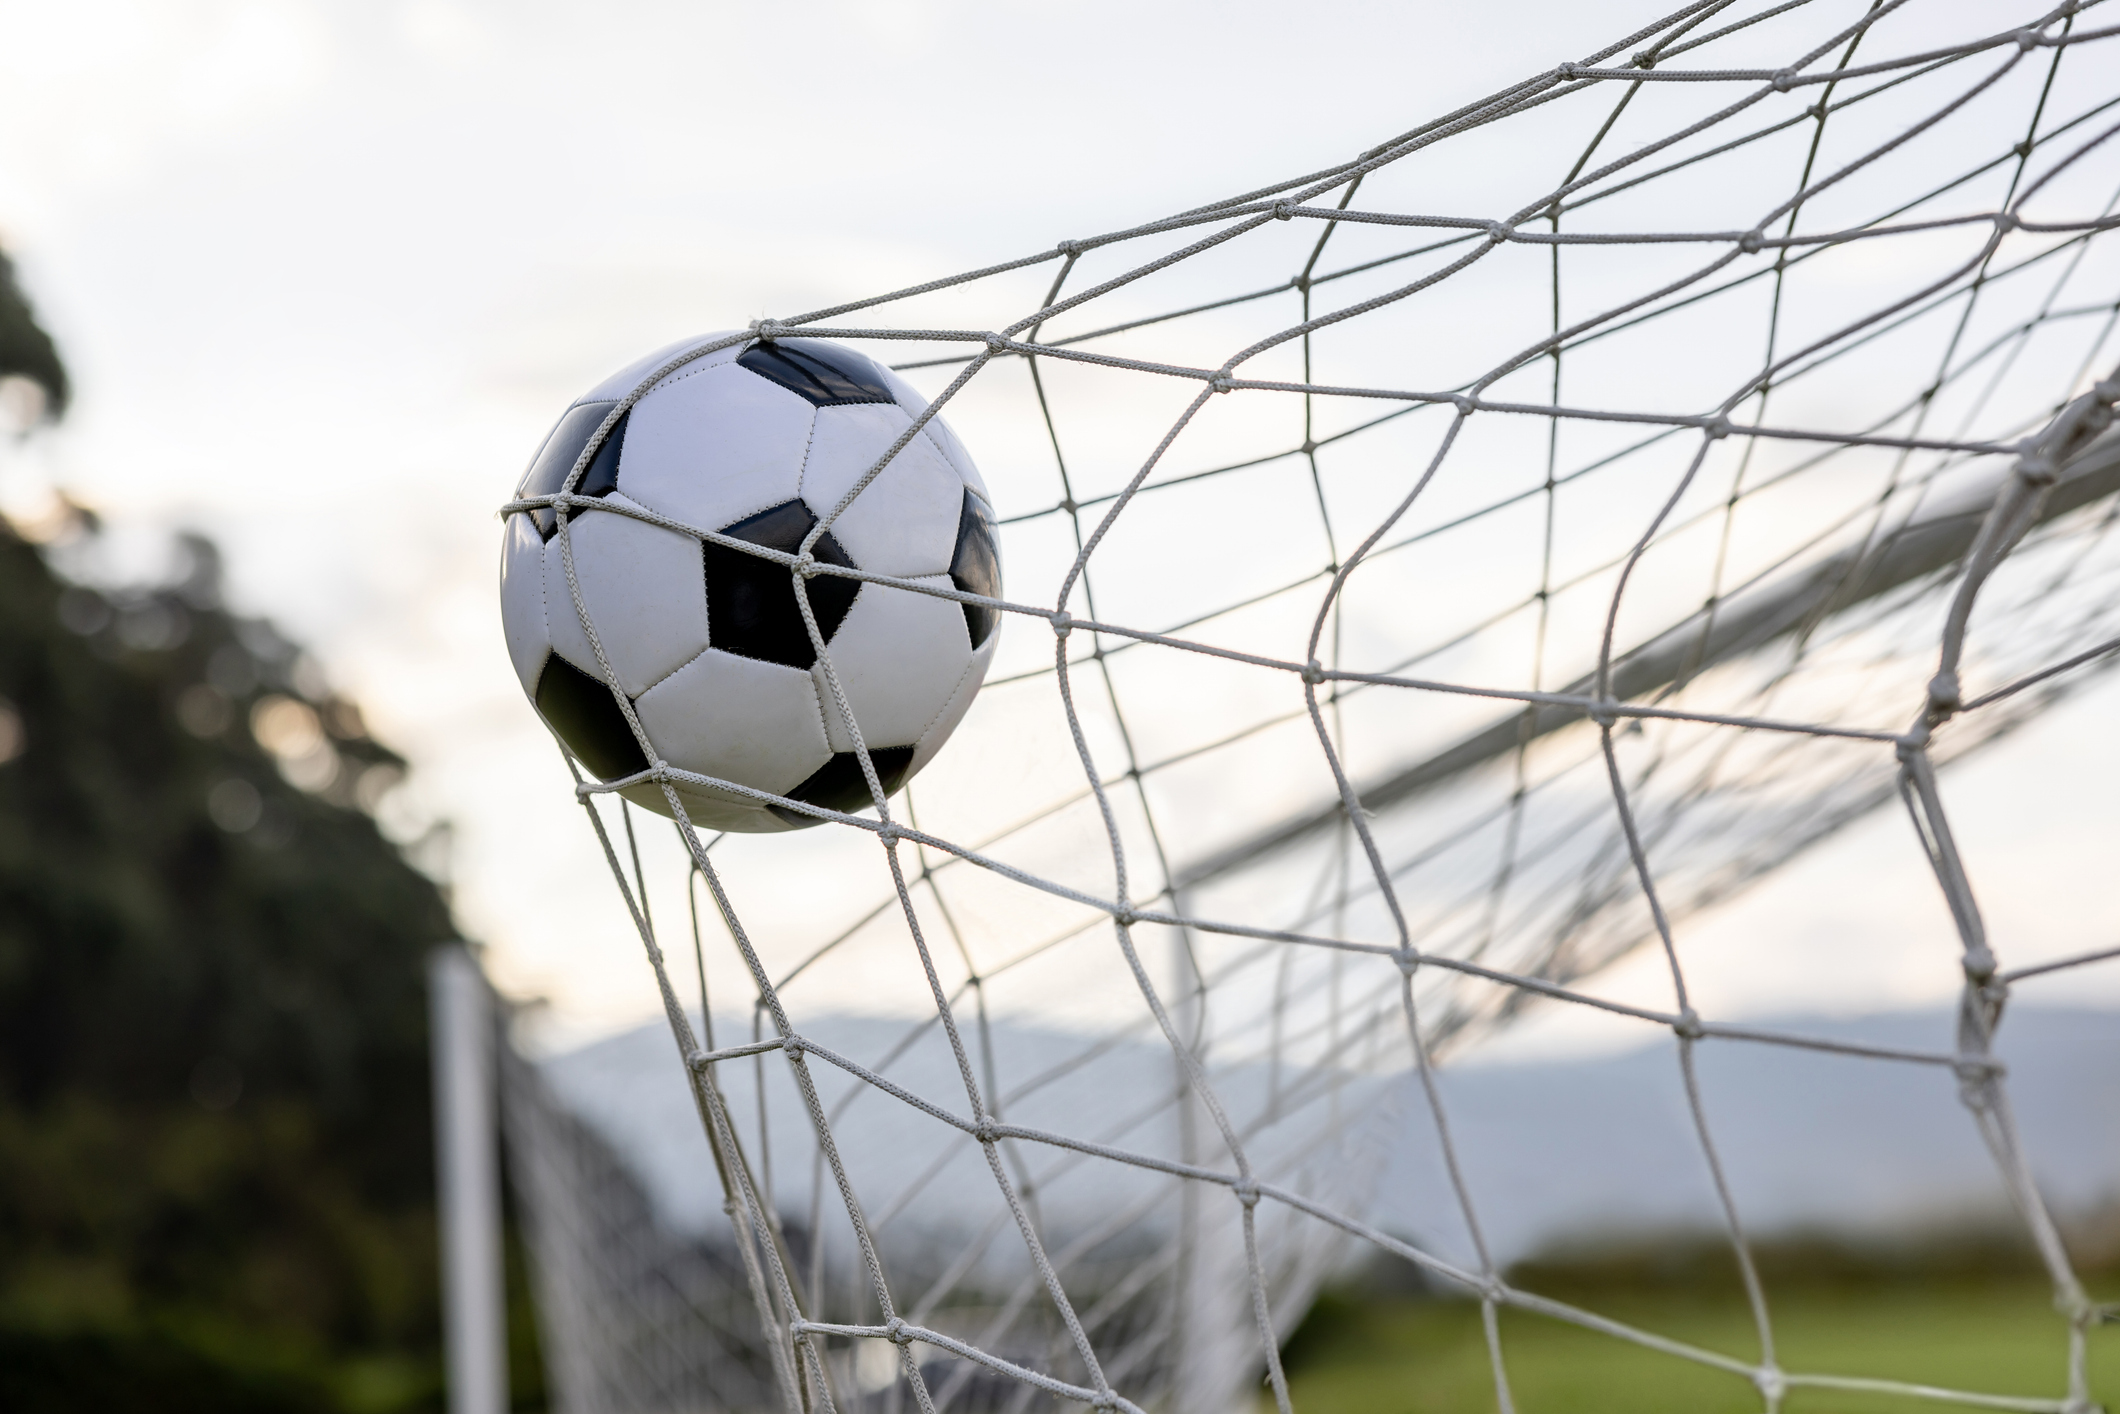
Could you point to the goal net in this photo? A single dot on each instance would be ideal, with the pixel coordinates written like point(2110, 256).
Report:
point(1428, 580)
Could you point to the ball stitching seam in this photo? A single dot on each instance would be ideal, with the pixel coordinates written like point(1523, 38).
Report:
point(921, 739)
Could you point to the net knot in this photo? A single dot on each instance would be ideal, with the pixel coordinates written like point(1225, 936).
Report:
point(792, 1045)
point(1977, 1070)
point(1284, 211)
point(1313, 672)
point(1247, 1191)
point(1689, 1025)
point(1751, 242)
point(996, 343)
point(2027, 39)
point(1642, 60)
point(768, 329)
point(2005, 220)
point(894, 1331)
point(1125, 917)
point(1784, 80)
point(1500, 230)
point(1063, 623)
point(1568, 70)
point(799, 1330)
point(1944, 695)
point(986, 1132)
point(1221, 383)
point(1409, 960)
point(1070, 249)
point(1464, 403)
point(1772, 1383)
point(1979, 966)
point(806, 565)
point(2037, 469)
point(2082, 1311)
point(1717, 428)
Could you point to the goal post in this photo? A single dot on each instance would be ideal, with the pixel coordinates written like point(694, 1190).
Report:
point(461, 1024)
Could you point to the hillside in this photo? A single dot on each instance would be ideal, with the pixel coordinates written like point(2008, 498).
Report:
point(1561, 1155)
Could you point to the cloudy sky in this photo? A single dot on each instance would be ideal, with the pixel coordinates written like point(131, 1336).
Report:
point(325, 272)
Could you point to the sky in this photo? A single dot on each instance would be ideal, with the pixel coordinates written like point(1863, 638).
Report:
point(325, 272)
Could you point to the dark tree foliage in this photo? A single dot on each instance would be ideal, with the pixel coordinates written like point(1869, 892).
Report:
point(25, 349)
point(215, 1158)
point(214, 1129)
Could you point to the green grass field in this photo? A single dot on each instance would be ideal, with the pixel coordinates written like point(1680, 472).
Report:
point(1372, 1355)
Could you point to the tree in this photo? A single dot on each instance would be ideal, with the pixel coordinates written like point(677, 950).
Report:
point(215, 1152)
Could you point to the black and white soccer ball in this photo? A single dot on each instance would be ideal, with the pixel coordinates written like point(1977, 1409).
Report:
point(756, 441)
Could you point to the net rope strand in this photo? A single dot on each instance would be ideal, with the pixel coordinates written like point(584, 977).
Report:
point(1687, 765)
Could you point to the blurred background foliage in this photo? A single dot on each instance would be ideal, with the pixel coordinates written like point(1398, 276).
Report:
point(216, 1184)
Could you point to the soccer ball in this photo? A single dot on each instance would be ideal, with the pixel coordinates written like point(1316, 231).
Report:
point(756, 441)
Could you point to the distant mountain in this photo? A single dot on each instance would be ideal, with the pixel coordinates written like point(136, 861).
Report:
point(1556, 1153)
point(1594, 1149)
point(911, 1171)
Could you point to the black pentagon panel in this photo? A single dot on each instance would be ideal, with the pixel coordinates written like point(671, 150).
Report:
point(839, 784)
point(751, 608)
point(563, 448)
point(581, 709)
point(828, 377)
point(976, 567)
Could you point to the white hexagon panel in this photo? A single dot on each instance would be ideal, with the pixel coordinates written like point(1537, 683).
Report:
point(904, 522)
point(736, 719)
point(645, 592)
point(753, 460)
point(716, 646)
point(893, 653)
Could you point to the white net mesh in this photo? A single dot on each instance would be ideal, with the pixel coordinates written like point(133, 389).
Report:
point(1429, 579)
